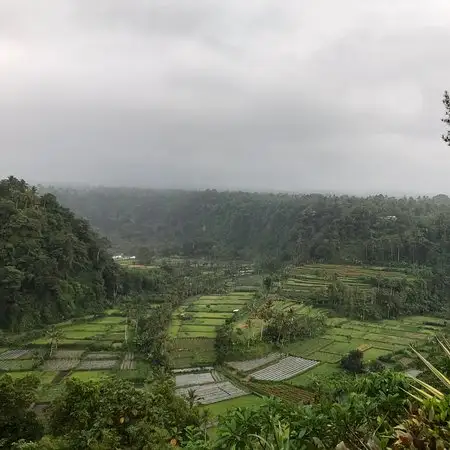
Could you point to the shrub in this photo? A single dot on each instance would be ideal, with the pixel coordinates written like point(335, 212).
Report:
point(353, 362)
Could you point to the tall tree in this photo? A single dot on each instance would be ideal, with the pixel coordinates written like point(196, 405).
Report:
point(17, 420)
point(446, 118)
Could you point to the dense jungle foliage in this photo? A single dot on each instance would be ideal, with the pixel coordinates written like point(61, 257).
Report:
point(52, 264)
point(280, 229)
point(298, 228)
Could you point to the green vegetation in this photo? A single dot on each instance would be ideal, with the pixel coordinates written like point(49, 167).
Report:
point(365, 293)
point(272, 228)
point(323, 370)
point(194, 326)
point(221, 408)
point(374, 339)
point(89, 375)
point(52, 265)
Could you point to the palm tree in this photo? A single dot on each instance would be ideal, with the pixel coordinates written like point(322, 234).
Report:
point(54, 334)
point(192, 398)
point(264, 314)
point(249, 325)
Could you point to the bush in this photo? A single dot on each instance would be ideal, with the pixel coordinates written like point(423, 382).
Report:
point(353, 362)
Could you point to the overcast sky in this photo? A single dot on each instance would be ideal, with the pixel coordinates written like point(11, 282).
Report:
point(297, 95)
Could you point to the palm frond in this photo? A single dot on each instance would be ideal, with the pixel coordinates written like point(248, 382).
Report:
point(445, 346)
point(432, 390)
point(434, 370)
point(425, 395)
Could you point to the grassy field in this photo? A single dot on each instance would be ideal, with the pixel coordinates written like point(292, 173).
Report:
point(192, 352)
point(89, 375)
point(220, 408)
point(322, 370)
point(194, 325)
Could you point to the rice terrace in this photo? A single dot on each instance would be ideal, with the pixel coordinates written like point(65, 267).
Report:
point(288, 373)
point(88, 349)
point(98, 347)
point(194, 324)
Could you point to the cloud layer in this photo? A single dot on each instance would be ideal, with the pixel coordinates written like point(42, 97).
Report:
point(294, 95)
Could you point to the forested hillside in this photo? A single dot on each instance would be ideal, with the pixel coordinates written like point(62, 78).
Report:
point(52, 264)
point(376, 229)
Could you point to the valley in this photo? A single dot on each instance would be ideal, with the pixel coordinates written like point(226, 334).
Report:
point(101, 346)
point(204, 339)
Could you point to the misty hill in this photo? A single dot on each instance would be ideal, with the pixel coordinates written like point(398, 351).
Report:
point(52, 264)
point(374, 229)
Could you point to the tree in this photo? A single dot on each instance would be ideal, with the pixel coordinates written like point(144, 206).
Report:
point(353, 362)
point(145, 255)
point(446, 119)
point(114, 414)
point(264, 314)
point(53, 266)
point(224, 341)
point(192, 398)
point(17, 420)
point(286, 326)
point(277, 228)
point(268, 283)
point(55, 334)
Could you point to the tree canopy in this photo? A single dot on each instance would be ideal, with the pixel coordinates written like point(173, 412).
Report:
point(52, 264)
point(277, 227)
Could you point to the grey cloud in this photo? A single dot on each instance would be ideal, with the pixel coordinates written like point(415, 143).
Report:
point(311, 95)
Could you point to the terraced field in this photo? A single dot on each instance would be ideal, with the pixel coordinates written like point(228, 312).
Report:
point(221, 408)
point(192, 352)
point(14, 354)
point(194, 326)
point(253, 364)
point(321, 356)
point(288, 393)
point(88, 350)
point(374, 339)
point(309, 278)
point(106, 331)
point(192, 379)
point(213, 392)
point(284, 368)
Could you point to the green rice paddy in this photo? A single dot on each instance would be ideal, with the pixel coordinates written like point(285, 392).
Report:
point(90, 375)
point(322, 370)
point(194, 327)
point(309, 278)
point(373, 338)
point(78, 340)
point(220, 408)
point(198, 320)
